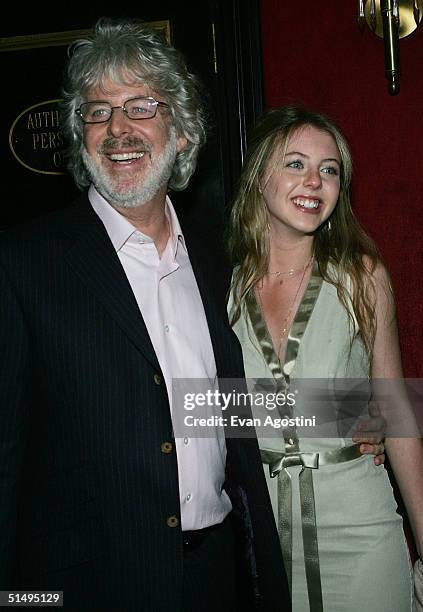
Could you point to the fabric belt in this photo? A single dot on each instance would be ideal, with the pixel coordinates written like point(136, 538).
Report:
point(278, 463)
point(193, 539)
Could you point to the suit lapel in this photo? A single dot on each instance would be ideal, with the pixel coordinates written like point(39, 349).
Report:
point(93, 258)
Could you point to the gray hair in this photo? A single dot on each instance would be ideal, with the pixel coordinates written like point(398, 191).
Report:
point(128, 51)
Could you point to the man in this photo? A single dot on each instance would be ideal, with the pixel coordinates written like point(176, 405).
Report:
point(102, 305)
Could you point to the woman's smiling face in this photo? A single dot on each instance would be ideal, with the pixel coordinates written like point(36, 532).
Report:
point(301, 189)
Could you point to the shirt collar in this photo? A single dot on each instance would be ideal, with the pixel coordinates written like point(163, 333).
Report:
point(120, 229)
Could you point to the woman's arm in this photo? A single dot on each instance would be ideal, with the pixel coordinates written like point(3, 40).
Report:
point(405, 453)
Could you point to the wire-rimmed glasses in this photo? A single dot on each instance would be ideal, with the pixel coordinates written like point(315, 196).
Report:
point(100, 111)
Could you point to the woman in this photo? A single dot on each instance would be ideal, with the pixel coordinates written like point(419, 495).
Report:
point(311, 299)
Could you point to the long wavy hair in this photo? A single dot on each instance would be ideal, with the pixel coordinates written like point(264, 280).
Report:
point(341, 247)
point(129, 52)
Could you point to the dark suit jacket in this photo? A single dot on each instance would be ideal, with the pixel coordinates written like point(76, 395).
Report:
point(85, 489)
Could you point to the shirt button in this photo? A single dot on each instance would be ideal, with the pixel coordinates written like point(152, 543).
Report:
point(166, 447)
point(157, 379)
point(186, 441)
point(172, 521)
point(166, 328)
point(188, 497)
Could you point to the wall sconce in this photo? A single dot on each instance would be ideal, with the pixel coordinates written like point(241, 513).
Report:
point(391, 20)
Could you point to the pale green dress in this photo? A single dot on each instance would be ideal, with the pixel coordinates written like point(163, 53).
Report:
point(357, 555)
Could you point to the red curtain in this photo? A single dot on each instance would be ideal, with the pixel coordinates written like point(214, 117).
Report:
point(314, 55)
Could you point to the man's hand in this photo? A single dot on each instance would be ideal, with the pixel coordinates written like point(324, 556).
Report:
point(370, 434)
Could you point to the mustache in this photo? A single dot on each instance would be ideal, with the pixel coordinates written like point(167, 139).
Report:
point(129, 142)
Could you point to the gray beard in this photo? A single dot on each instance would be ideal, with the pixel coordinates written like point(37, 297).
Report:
point(157, 175)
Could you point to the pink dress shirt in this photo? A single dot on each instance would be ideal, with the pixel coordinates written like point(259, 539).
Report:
point(168, 297)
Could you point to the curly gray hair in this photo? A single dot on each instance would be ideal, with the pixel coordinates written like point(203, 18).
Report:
point(128, 51)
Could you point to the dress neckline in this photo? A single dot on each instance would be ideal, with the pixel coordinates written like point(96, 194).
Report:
point(296, 332)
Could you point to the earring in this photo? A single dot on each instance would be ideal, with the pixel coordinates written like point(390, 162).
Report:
point(329, 225)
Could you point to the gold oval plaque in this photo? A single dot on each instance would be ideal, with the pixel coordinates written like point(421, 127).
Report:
point(36, 139)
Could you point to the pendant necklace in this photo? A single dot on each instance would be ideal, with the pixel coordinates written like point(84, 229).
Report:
point(288, 273)
point(285, 323)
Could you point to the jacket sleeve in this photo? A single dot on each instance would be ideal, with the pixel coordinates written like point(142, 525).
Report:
point(14, 392)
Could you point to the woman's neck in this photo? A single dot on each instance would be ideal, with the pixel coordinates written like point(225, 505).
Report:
point(289, 254)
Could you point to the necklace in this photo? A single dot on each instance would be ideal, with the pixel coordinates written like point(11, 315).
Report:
point(285, 328)
point(290, 272)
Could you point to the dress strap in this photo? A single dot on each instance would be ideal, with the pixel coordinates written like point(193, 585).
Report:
point(301, 319)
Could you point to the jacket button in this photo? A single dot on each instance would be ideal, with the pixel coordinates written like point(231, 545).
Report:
point(157, 379)
point(172, 521)
point(166, 447)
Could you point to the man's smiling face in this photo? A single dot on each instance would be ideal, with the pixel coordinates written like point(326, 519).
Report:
point(129, 161)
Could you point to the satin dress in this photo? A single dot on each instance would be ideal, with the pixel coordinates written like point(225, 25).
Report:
point(341, 535)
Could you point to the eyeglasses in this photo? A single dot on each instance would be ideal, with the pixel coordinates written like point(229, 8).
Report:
point(99, 111)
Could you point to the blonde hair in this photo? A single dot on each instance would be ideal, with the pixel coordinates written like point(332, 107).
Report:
point(341, 247)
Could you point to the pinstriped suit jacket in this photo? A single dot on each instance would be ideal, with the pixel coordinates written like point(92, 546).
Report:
point(85, 490)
